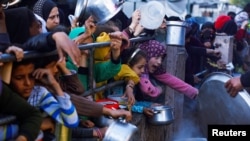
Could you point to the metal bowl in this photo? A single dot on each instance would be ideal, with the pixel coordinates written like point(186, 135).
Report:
point(120, 131)
point(101, 10)
point(163, 115)
point(103, 121)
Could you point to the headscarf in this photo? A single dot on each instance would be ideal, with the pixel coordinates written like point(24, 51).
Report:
point(241, 17)
point(230, 28)
point(220, 21)
point(224, 24)
point(209, 25)
point(154, 48)
point(193, 27)
point(43, 8)
point(18, 22)
point(207, 33)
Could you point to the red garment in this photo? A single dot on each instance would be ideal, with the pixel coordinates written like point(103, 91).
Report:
point(220, 21)
point(240, 34)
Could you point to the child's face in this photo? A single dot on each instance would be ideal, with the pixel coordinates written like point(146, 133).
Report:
point(154, 63)
point(138, 68)
point(22, 80)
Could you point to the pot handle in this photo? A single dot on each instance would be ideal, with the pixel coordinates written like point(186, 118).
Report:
point(156, 111)
point(119, 3)
point(122, 119)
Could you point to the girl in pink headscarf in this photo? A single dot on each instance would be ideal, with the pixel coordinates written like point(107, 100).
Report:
point(149, 91)
point(156, 74)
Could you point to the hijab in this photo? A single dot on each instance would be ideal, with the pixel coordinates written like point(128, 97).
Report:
point(154, 48)
point(18, 22)
point(43, 8)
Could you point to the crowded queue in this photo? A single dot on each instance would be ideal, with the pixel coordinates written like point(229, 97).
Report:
point(43, 92)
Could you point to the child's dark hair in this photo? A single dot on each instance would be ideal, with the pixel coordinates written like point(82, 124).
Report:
point(23, 62)
point(43, 62)
point(132, 55)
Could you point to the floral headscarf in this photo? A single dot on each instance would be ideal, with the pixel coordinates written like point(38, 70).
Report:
point(154, 48)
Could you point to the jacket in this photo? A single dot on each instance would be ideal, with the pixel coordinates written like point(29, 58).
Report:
point(29, 118)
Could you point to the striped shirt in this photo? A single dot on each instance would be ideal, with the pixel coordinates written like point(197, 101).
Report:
point(59, 108)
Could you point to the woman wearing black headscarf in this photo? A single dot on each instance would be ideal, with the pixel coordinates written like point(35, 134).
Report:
point(24, 29)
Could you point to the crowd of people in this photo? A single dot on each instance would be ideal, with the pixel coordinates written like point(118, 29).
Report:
point(43, 92)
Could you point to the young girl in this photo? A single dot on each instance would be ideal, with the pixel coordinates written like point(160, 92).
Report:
point(133, 63)
point(154, 78)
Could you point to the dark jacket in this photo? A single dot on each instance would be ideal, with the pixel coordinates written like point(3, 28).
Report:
point(29, 118)
point(245, 79)
point(41, 43)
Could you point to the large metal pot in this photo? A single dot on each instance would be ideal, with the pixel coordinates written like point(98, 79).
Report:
point(163, 115)
point(103, 121)
point(176, 31)
point(216, 106)
point(120, 130)
point(101, 10)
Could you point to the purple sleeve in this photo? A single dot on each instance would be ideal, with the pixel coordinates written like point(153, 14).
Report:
point(147, 87)
point(177, 84)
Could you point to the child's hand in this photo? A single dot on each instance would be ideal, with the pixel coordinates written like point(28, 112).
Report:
point(136, 15)
point(87, 123)
point(17, 51)
point(121, 113)
point(115, 40)
point(48, 124)
point(148, 112)
point(90, 25)
point(62, 67)
point(45, 77)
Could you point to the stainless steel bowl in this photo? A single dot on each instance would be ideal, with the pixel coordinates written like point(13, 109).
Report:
point(120, 131)
point(103, 121)
point(101, 10)
point(163, 115)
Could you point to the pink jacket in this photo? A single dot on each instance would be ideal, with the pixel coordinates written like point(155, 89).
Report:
point(170, 80)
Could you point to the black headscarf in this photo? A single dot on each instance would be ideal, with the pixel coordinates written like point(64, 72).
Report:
point(18, 21)
point(230, 28)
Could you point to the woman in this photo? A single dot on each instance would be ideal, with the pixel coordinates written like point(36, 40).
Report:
point(49, 12)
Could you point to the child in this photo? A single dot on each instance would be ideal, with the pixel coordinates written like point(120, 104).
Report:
point(41, 90)
point(153, 80)
point(133, 63)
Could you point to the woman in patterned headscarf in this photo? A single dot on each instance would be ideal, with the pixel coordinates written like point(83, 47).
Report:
point(155, 75)
point(149, 91)
point(49, 12)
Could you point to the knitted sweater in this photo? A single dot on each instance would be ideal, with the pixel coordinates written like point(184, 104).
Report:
point(59, 108)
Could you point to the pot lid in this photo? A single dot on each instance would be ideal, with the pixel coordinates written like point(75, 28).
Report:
point(152, 14)
point(80, 6)
point(216, 106)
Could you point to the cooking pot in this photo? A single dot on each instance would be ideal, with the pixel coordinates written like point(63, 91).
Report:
point(216, 106)
point(103, 121)
point(101, 10)
point(163, 115)
point(120, 130)
point(176, 31)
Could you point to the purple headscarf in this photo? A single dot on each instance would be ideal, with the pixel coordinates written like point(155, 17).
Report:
point(154, 48)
